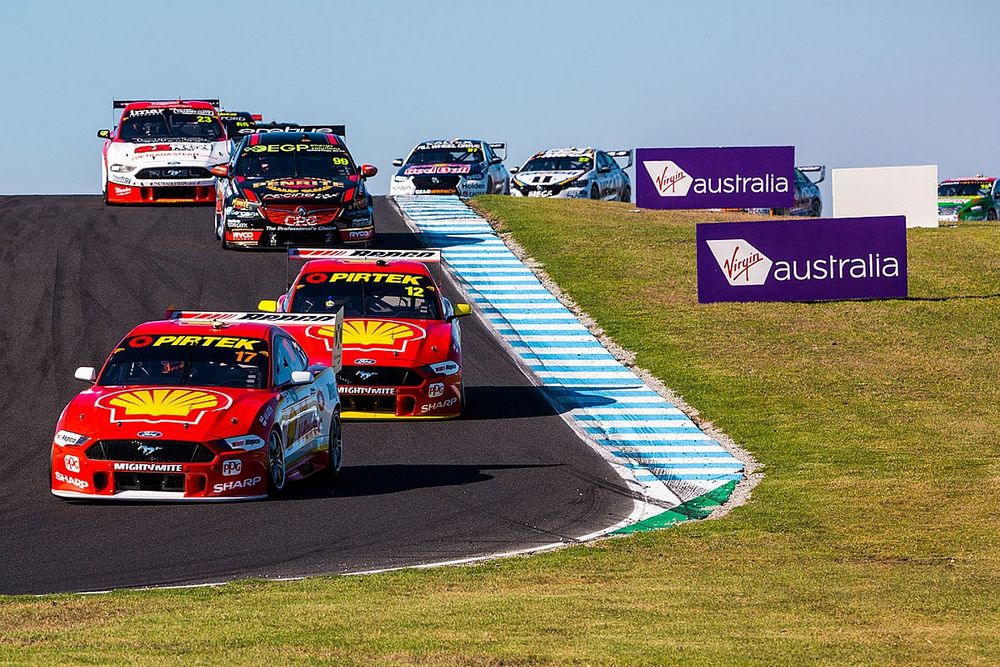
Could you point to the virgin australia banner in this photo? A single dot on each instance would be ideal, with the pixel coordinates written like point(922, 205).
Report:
point(749, 177)
point(803, 260)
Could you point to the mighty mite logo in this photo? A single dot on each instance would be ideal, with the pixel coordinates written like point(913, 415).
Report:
point(371, 335)
point(179, 406)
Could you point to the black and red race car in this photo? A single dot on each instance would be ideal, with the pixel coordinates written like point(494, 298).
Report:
point(286, 188)
point(402, 340)
point(196, 409)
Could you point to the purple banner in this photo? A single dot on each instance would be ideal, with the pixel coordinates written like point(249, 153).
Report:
point(818, 259)
point(749, 177)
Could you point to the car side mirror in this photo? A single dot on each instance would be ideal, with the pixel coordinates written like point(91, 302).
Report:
point(496, 159)
point(461, 310)
point(301, 377)
point(86, 374)
point(368, 170)
point(220, 170)
point(267, 306)
point(514, 170)
point(104, 134)
point(398, 162)
point(603, 170)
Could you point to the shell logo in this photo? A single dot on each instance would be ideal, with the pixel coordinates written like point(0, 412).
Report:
point(183, 406)
point(379, 335)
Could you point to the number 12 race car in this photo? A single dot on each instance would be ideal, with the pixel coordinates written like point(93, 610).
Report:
point(162, 151)
point(201, 410)
point(402, 341)
point(286, 188)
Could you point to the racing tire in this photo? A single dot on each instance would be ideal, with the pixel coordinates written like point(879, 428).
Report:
point(335, 447)
point(464, 403)
point(277, 471)
point(817, 209)
point(991, 214)
point(489, 186)
point(626, 194)
point(594, 193)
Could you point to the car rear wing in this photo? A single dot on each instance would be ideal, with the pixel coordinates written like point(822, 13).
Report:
point(294, 323)
point(500, 146)
point(238, 123)
point(814, 169)
point(261, 128)
point(422, 255)
point(121, 104)
point(630, 154)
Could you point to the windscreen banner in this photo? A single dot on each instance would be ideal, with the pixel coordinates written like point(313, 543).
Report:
point(744, 177)
point(819, 259)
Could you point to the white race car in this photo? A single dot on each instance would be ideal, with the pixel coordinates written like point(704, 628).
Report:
point(584, 173)
point(161, 152)
point(463, 167)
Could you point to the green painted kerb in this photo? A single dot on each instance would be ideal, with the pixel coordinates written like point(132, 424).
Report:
point(696, 508)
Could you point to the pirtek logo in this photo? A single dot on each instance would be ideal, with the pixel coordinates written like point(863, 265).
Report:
point(741, 263)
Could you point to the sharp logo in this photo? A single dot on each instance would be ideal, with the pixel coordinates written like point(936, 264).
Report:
point(670, 179)
point(236, 484)
point(741, 263)
point(66, 479)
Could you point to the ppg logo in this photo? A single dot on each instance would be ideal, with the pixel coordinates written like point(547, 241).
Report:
point(232, 467)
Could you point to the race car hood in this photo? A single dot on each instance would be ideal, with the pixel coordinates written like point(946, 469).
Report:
point(959, 201)
point(177, 152)
point(300, 190)
point(443, 168)
point(548, 177)
point(173, 413)
point(388, 342)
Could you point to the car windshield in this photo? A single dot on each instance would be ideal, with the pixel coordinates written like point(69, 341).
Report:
point(295, 160)
point(565, 163)
point(470, 155)
point(144, 125)
point(361, 294)
point(964, 189)
point(188, 361)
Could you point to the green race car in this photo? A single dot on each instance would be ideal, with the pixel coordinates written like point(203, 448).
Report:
point(969, 199)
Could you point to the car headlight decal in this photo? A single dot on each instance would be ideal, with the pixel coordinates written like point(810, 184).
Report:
point(70, 439)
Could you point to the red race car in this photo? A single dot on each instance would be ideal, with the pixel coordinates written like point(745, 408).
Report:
point(161, 152)
point(200, 410)
point(402, 341)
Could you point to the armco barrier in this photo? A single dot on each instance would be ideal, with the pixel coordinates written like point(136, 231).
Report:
point(682, 472)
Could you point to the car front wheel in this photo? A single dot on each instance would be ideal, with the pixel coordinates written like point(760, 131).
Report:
point(277, 474)
point(335, 447)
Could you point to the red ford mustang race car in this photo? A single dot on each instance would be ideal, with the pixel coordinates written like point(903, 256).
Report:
point(188, 410)
point(402, 341)
point(161, 152)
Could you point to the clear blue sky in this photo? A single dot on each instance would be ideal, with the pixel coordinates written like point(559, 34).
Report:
point(849, 83)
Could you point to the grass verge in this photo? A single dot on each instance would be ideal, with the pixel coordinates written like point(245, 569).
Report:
point(872, 539)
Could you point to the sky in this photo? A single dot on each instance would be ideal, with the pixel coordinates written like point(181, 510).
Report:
point(848, 83)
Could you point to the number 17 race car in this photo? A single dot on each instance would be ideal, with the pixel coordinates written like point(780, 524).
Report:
point(402, 341)
point(201, 410)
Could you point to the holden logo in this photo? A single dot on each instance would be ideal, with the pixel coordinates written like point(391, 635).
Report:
point(670, 179)
point(365, 362)
point(149, 434)
point(301, 211)
point(741, 263)
point(149, 450)
point(435, 180)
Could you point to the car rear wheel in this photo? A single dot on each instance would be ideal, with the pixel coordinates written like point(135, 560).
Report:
point(335, 447)
point(991, 214)
point(277, 473)
point(626, 194)
point(817, 209)
point(594, 193)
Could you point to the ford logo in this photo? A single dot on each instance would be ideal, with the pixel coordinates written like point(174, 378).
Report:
point(365, 362)
point(149, 434)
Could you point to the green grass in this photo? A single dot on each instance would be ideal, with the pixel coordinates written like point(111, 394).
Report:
point(873, 537)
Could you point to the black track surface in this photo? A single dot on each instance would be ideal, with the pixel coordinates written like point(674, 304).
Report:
point(76, 275)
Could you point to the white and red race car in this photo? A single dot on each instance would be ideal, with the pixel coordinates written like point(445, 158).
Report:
point(161, 152)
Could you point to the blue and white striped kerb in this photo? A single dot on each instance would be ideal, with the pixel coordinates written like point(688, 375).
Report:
point(651, 442)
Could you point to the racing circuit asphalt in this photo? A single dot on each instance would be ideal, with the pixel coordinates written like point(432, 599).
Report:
point(75, 276)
